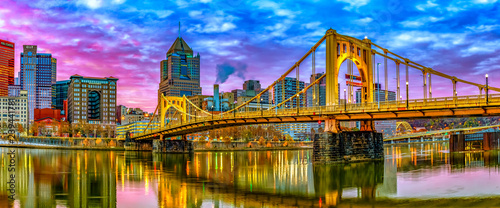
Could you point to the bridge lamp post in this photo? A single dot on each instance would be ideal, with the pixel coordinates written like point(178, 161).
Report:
point(486, 88)
point(212, 111)
point(407, 106)
point(345, 101)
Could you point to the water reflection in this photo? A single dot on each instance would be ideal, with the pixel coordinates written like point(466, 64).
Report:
point(78, 178)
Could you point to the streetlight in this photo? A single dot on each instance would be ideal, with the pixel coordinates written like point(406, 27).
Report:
point(407, 96)
point(212, 111)
point(486, 89)
point(345, 101)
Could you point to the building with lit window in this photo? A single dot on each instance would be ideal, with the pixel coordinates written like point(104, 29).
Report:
point(316, 95)
point(14, 90)
point(180, 72)
point(7, 51)
point(20, 111)
point(92, 100)
point(283, 91)
point(377, 92)
point(59, 94)
point(38, 71)
point(136, 128)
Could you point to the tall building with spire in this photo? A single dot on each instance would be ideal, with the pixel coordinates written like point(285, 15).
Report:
point(180, 72)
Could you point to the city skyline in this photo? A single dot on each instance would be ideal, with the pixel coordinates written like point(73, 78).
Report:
point(118, 39)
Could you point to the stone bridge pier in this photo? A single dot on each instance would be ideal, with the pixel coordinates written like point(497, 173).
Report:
point(348, 146)
point(172, 145)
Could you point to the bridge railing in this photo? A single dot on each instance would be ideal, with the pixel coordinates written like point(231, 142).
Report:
point(414, 104)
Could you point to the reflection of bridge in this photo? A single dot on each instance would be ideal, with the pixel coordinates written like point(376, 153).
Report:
point(439, 132)
point(339, 48)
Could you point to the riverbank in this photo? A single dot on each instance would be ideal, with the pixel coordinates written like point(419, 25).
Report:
point(118, 145)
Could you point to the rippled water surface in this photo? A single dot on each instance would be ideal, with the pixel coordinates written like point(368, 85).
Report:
point(417, 175)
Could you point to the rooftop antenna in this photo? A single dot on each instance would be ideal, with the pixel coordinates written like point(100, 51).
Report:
point(179, 29)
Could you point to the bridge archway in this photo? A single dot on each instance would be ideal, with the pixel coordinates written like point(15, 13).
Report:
point(338, 49)
point(403, 125)
point(167, 102)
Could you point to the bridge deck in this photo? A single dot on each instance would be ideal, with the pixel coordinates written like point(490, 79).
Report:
point(429, 108)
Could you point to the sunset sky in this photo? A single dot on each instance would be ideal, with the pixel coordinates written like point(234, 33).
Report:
point(251, 39)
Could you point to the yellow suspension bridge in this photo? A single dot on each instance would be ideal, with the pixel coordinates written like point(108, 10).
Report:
point(339, 48)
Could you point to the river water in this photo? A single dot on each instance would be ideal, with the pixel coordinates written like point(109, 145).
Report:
point(416, 175)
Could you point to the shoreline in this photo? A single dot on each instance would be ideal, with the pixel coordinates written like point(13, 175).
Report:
point(27, 146)
point(37, 146)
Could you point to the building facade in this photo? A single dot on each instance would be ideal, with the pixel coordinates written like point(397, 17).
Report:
point(197, 100)
point(36, 76)
point(19, 111)
point(120, 113)
point(60, 94)
point(92, 100)
point(53, 114)
point(180, 72)
point(136, 128)
point(252, 85)
point(378, 92)
point(14, 90)
point(7, 53)
point(316, 96)
point(285, 89)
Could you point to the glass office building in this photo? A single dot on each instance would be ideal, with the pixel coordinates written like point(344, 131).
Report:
point(59, 94)
point(38, 71)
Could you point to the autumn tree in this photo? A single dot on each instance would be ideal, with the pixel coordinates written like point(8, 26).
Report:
point(34, 129)
point(99, 130)
point(55, 126)
point(20, 128)
point(262, 141)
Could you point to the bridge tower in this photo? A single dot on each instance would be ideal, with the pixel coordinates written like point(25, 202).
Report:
point(167, 102)
point(338, 49)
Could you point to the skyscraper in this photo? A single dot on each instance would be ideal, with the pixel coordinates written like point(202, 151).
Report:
point(288, 89)
point(180, 72)
point(6, 66)
point(37, 75)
